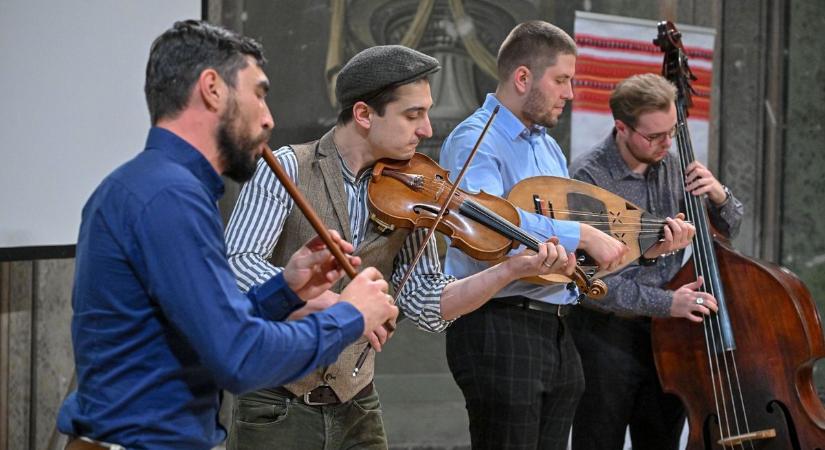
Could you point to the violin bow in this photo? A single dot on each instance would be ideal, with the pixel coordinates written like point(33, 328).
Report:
point(444, 207)
point(431, 230)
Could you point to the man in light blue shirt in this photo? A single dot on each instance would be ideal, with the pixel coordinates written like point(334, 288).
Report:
point(514, 358)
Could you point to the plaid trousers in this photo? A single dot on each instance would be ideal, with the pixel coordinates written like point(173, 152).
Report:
point(520, 374)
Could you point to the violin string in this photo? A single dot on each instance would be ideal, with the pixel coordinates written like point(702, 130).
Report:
point(500, 224)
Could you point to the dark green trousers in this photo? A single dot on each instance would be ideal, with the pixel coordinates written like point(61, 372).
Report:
point(266, 419)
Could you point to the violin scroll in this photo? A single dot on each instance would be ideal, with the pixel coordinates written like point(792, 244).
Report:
point(595, 288)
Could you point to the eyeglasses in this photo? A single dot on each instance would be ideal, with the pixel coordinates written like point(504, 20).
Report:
point(657, 137)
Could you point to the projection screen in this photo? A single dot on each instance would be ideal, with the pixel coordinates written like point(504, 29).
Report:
point(73, 108)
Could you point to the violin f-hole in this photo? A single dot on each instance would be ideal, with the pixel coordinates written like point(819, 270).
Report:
point(434, 211)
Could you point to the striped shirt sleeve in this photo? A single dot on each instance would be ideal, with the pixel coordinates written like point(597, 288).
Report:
point(257, 221)
point(420, 299)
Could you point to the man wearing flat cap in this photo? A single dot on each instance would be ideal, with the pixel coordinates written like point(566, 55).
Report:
point(384, 93)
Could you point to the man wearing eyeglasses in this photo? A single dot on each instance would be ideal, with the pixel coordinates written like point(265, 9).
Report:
point(613, 335)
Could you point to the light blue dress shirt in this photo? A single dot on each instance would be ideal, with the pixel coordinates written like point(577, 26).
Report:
point(509, 153)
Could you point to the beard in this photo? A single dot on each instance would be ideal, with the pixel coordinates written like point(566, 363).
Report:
point(535, 109)
point(236, 148)
point(648, 157)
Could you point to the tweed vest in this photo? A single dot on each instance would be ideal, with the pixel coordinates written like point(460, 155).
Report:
point(320, 179)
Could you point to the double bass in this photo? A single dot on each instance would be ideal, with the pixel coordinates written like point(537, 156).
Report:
point(744, 375)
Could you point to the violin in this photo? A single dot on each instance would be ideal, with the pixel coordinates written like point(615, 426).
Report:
point(745, 373)
point(567, 199)
point(409, 194)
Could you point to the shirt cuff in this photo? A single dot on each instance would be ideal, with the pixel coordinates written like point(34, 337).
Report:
point(275, 299)
point(349, 320)
point(569, 234)
point(544, 228)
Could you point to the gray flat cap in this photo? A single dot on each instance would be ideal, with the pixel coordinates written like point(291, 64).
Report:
point(377, 68)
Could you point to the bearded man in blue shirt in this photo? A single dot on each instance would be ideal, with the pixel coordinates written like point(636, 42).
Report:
point(159, 325)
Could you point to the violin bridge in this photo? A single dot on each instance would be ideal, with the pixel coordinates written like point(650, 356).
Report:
point(382, 226)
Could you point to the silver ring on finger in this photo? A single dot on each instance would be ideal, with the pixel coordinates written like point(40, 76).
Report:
point(544, 263)
point(699, 300)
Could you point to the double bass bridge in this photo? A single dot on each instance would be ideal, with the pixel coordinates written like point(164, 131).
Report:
point(747, 437)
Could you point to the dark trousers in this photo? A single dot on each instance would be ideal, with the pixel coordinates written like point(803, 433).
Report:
point(268, 419)
point(621, 387)
point(520, 375)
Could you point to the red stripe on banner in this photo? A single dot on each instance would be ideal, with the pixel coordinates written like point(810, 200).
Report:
point(635, 46)
point(597, 100)
point(596, 77)
point(612, 69)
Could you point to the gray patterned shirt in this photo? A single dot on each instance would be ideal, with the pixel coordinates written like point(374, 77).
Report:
point(637, 290)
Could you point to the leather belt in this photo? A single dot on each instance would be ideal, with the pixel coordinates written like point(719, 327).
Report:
point(324, 395)
point(82, 443)
point(526, 303)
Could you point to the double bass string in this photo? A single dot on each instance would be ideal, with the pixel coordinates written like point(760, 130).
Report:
point(699, 263)
point(705, 264)
point(700, 268)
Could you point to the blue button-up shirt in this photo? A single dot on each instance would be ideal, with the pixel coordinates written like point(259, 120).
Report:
point(159, 324)
point(509, 153)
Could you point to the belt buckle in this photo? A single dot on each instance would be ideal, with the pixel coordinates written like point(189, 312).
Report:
point(319, 390)
point(309, 402)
